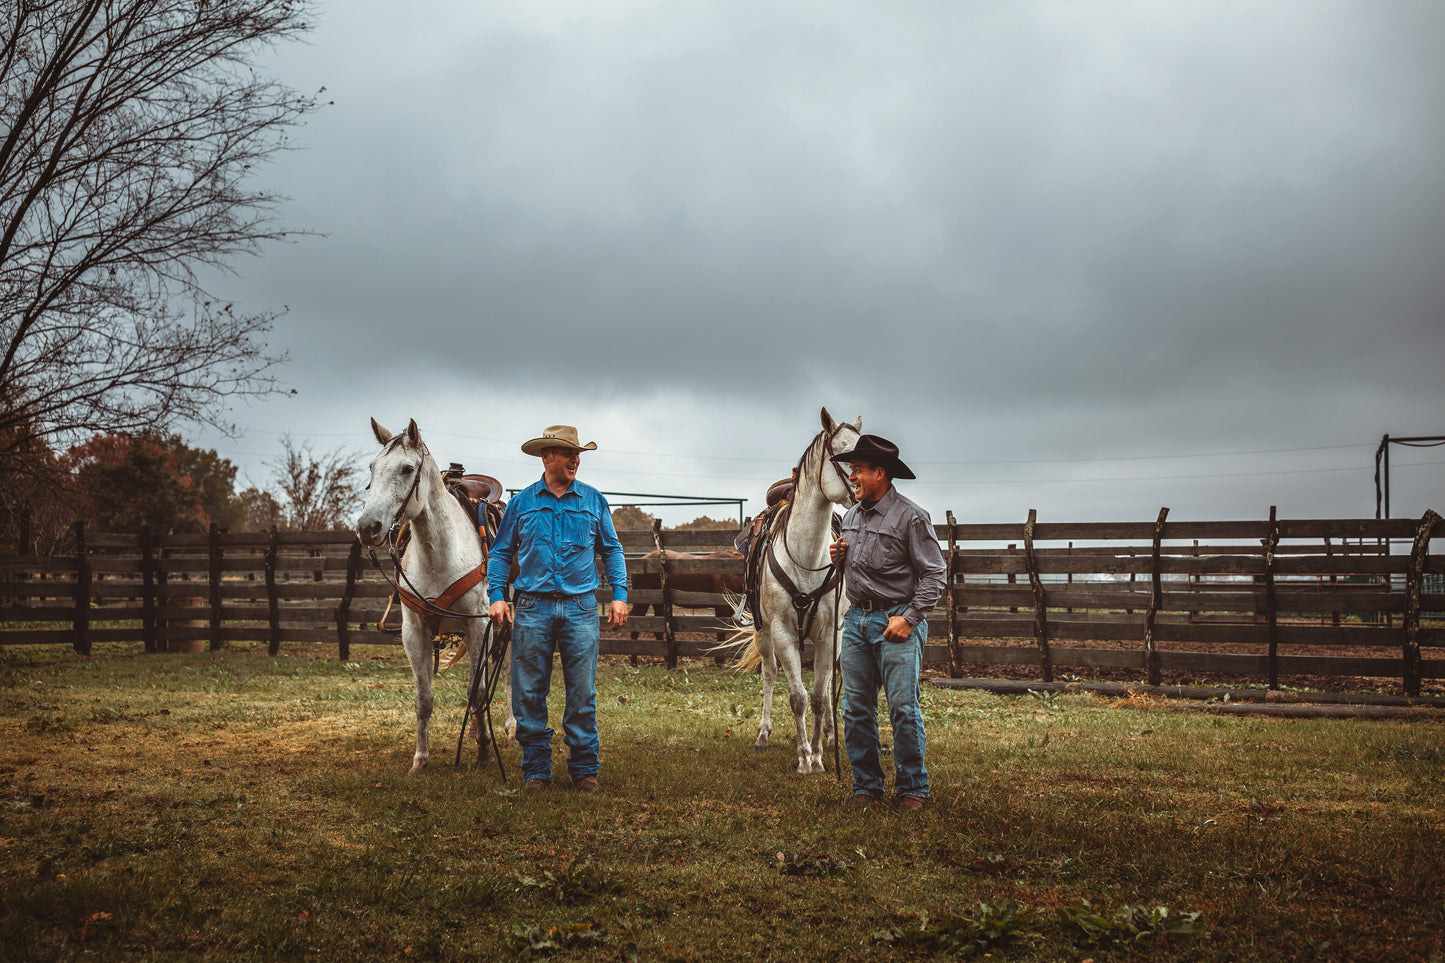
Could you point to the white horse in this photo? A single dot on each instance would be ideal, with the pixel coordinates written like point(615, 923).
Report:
point(444, 556)
point(799, 548)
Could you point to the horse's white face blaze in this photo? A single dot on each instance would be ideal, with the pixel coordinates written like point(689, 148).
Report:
point(393, 473)
point(835, 482)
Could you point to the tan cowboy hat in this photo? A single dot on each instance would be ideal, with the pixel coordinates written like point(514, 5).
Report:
point(557, 436)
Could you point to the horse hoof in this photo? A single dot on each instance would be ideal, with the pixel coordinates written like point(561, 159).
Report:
point(416, 767)
point(762, 742)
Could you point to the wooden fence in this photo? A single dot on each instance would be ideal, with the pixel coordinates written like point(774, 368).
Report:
point(1271, 599)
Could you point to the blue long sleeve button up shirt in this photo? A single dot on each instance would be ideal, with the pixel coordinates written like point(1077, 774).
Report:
point(554, 541)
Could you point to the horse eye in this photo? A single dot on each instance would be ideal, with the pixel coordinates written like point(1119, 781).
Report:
point(406, 469)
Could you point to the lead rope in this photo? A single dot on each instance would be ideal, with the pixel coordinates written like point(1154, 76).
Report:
point(837, 670)
point(491, 671)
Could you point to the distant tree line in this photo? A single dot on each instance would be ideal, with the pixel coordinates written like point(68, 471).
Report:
point(632, 518)
point(121, 482)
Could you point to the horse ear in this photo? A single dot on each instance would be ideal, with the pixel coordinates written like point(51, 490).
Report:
point(382, 435)
point(827, 420)
point(858, 423)
point(413, 434)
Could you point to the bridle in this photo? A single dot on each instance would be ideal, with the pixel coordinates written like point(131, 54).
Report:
point(826, 458)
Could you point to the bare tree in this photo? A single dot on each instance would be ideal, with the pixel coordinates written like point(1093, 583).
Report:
point(318, 493)
point(132, 126)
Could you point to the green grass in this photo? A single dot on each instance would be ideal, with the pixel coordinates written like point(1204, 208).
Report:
point(230, 805)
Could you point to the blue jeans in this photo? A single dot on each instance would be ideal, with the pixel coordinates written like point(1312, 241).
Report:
point(570, 626)
point(871, 662)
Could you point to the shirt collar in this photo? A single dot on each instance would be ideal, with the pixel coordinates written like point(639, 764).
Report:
point(885, 505)
point(540, 486)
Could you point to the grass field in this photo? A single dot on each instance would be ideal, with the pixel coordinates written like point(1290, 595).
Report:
point(234, 806)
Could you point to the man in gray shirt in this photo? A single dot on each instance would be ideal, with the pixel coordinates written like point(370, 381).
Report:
point(894, 574)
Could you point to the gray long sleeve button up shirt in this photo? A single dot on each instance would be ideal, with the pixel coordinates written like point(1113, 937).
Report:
point(893, 553)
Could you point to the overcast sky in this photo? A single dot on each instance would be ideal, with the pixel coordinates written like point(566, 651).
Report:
point(1089, 258)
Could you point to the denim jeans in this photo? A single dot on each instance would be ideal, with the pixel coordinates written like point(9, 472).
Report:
point(871, 662)
point(570, 626)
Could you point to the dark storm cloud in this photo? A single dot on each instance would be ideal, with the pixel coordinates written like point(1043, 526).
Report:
point(1039, 229)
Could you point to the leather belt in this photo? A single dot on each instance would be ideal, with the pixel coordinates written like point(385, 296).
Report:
point(555, 595)
point(874, 605)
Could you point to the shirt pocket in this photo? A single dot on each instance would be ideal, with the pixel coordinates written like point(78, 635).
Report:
point(576, 531)
point(889, 553)
point(535, 526)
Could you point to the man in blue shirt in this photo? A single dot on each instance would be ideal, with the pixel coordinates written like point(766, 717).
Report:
point(552, 529)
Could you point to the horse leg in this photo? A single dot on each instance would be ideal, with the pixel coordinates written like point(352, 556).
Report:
point(821, 701)
point(417, 643)
point(769, 667)
point(510, 726)
point(792, 659)
point(639, 609)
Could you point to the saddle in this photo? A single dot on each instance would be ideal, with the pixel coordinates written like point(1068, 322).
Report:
point(754, 544)
point(480, 497)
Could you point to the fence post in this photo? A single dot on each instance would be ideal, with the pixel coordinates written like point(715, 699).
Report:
point(1271, 601)
point(148, 590)
point(163, 599)
point(214, 570)
point(668, 635)
point(343, 611)
point(81, 640)
point(955, 659)
point(273, 599)
point(1413, 580)
point(1156, 599)
point(1041, 628)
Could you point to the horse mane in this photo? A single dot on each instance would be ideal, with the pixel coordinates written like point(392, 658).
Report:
point(807, 452)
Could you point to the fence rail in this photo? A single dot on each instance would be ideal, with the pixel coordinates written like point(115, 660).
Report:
point(1342, 597)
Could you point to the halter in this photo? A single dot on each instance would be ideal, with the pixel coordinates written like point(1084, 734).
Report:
point(852, 500)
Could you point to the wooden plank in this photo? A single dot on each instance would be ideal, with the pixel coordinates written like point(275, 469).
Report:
point(1395, 528)
point(48, 589)
point(38, 613)
point(686, 600)
point(685, 623)
point(1244, 565)
point(38, 637)
point(730, 566)
point(693, 542)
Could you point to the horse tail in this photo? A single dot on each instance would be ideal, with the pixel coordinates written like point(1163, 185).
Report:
point(744, 642)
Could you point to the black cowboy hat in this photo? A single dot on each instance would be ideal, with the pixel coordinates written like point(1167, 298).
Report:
point(878, 451)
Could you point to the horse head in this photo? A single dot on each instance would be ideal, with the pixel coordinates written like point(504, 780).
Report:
point(401, 476)
point(837, 436)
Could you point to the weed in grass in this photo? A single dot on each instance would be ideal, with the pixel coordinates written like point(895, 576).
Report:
point(574, 884)
point(979, 931)
point(530, 940)
point(1131, 924)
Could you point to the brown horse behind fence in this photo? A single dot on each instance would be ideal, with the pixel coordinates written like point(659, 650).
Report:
point(715, 582)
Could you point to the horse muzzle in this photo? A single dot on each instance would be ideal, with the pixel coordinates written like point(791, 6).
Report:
point(370, 531)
